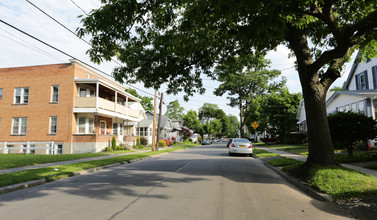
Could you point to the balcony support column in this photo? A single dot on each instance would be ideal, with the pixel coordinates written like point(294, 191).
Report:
point(97, 95)
point(116, 102)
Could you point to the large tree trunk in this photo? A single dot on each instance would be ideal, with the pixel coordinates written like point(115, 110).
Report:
point(321, 150)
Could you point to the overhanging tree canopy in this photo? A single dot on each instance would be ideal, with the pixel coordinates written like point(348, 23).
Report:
point(175, 41)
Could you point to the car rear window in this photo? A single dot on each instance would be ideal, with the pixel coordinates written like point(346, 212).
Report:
point(241, 140)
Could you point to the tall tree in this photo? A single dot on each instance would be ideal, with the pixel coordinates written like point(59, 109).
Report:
point(178, 41)
point(243, 80)
point(146, 101)
point(174, 110)
point(191, 121)
point(232, 127)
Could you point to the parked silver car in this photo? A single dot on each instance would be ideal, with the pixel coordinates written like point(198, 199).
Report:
point(240, 146)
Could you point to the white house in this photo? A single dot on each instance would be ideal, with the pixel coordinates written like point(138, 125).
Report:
point(359, 93)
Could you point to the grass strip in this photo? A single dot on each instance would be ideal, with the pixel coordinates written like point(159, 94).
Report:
point(20, 160)
point(282, 162)
point(63, 171)
point(357, 157)
point(339, 182)
point(263, 154)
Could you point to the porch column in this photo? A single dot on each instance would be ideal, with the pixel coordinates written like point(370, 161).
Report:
point(97, 94)
point(127, 105)
point(116, 101)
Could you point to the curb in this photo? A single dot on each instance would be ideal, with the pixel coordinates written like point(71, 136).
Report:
point(300, 185)
point(18, 186)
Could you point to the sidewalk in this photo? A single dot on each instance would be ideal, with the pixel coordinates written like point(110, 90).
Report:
point(17, 169)
point(358, 168)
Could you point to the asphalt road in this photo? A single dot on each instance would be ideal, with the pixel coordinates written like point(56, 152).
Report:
point(198, 183)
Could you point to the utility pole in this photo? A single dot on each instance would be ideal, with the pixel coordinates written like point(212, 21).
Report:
point(154, 121)
point(159, 121)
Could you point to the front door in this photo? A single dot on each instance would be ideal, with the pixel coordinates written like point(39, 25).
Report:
point(103, 127)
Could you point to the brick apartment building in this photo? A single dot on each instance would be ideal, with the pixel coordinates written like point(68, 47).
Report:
point(72, 106)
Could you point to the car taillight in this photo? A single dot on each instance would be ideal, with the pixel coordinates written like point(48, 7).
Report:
point(250, 146)
point(233, 145)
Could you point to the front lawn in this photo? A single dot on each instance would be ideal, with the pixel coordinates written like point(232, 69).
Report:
point(283, 162)
point(298, 149)
point(263, 154)
point(20, 160)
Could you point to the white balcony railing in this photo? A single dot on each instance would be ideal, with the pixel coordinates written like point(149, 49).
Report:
point(90, 102)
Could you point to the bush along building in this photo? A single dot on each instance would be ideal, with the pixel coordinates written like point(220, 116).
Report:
point(64, 109)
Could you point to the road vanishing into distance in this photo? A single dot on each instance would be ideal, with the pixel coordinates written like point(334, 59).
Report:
point(198, 183)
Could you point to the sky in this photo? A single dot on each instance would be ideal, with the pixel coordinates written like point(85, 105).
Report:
point(18, 49)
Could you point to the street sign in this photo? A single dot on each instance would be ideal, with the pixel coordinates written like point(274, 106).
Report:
point(255, 125)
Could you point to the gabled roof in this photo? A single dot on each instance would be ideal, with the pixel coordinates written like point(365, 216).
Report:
point(366, 93)
point(352, 72)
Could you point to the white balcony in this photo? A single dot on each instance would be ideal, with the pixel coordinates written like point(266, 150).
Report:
point(90, 103)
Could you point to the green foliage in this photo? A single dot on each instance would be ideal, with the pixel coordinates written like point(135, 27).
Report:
point(192, 122)
point(282, 162)
point(146, 101)
point(138, 147)
point(177, 42)
point(350, 128)
point(263, 154)
point(275, 112)
point(232, 127)
point(174, 110)
point(162, 143)
point(343, 183)
point(20, 160)
point(138, 141)
point(109, 149)
point(143, 141)
point(113, 142)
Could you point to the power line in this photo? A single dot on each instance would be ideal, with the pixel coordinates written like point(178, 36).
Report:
point(79, 7)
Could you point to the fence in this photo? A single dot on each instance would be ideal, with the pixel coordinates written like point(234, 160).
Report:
point(29, 147)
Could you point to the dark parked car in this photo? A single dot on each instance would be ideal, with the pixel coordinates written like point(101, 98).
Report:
point(206, 142)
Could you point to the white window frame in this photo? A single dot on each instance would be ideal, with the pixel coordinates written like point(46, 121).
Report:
point(53, 127)
point(88, 125)
point(89, 92)
point(24, 97)
point(21, 128)
point(53, 94)
point(115, 128)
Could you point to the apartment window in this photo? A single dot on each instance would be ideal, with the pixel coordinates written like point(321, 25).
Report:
point(347, 108)
point(142, 132)
point(54, 93)
point(115, 128)
point(85, 125)
point(374, 76)
point(1, 93)
point(53, 124)
point(21, 95)
point(19, 126)
point(86, 92)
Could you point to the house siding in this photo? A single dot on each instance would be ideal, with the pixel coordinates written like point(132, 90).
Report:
point(361, 67)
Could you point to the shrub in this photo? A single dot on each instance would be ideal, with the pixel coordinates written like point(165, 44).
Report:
point(108, 149)
point(138, 141)
point(143, 141)
point(168, 142)
point(119, 148)
point(113, 143)
point(138, 147)
point(162, 143)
